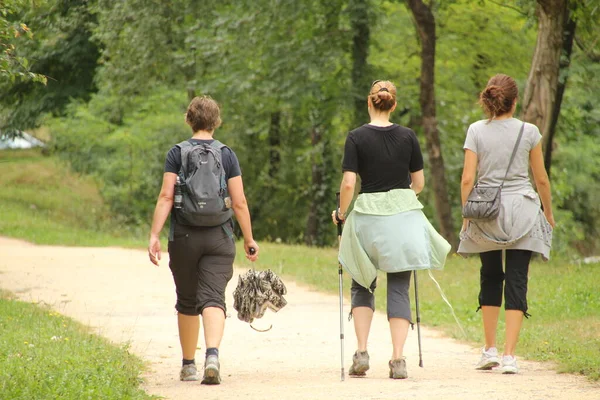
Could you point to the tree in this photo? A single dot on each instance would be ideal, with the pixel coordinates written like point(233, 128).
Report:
point(425, 24)
point(543, 96)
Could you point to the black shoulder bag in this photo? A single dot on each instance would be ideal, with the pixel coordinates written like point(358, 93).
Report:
point(483, 202)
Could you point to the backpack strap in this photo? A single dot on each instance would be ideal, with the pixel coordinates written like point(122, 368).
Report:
point(183, 146)
point(218, 146)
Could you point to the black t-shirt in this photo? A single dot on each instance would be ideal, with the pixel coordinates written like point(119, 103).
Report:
point(383, 157)
point(230, 160)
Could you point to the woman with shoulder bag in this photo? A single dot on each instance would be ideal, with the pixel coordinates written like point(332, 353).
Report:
point(500, 151)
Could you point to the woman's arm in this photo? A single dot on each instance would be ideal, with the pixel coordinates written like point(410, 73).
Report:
point(417, 181)
point(235, 186)
point(468, 176)
point(161, 212)
point(347, 191)
point(542, 182)
point(468, 179)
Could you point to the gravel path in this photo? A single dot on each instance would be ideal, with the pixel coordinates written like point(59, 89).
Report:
point(126, 299)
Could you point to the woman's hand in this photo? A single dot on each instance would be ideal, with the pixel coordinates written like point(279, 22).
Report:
point(154, 249)
point(550, 217)
point(341, 216)
point(251, 255)
point(464, 225)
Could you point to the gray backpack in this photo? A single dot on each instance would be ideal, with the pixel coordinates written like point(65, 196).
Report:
point(204, 187)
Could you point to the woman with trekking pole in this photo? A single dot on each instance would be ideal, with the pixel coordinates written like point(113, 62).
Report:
point(386, 230)
point(499, 151)
point(202, 188)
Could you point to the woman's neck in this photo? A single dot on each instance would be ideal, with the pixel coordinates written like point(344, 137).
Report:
point(206, 135)
point(382, 119)
point(503, 117)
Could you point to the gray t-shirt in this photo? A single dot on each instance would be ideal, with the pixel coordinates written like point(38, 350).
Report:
point(493, 142)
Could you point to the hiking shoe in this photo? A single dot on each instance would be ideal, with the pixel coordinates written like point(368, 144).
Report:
point(398, 369)
point(189, 372)
point(489, 359)
point(211, 371)
point(509, 365)
point(360, 363)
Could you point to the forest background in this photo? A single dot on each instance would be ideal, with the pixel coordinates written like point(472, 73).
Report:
point(106, 84)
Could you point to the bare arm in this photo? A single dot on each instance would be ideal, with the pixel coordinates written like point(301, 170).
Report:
point(468, 176)
point(468, 179)
point(542, 182)
point(347, 191)
point(235, 186)
point(161, 212)
point(417, 180)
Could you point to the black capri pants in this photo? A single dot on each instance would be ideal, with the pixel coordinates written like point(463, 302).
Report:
point(201, 260)
point(513, 278)
point(398, 299)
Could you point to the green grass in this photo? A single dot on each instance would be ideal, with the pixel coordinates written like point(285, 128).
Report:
point(44, 355)
point(42, 203)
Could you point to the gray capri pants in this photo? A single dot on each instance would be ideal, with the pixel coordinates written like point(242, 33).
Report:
point(201, 260)
point(398, 300)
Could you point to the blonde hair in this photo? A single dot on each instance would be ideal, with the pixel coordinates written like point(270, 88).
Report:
point(383, 95)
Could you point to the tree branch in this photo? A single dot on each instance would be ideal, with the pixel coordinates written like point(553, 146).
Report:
point(509, 7)
point(589, 53)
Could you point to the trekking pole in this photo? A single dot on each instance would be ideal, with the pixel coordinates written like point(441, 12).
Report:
point(418, 319)
point(340, 272)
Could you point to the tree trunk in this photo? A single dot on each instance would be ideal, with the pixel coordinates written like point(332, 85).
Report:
point(312, 224)
point(542, 98)
point(359, 20)
point(565, 62)
point(425, 24)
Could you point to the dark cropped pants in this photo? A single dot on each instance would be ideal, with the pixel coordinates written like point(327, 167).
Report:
point(201, 260)
point(513, 279)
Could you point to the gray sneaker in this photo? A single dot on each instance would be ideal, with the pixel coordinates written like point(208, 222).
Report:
point(189, 372)
point(212, 375)
point(398, 369)
point(360, 363)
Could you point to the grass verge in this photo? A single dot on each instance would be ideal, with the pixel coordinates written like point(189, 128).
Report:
point(44, 355)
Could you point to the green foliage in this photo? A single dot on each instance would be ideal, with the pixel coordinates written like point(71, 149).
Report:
point(62, 52)
point(283, 74)
point(14, 66)
point(48, 356)
point(128, 158)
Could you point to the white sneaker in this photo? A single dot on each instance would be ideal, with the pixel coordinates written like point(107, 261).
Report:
point(489, 359)
point(509, 365)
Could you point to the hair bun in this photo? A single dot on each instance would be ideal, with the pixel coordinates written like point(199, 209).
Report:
point(383, 95)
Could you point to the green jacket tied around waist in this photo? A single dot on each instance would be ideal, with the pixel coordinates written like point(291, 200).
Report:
point(388, 231)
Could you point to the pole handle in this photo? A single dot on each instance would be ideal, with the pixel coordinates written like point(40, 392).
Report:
point(340, 221)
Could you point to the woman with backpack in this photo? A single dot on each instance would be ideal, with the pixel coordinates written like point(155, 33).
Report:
point(201, 245)
point(500, 151)
point(386, 230)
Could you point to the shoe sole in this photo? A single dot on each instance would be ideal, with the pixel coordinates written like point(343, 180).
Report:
point(188, 378)
point(398, 376)
point(359, 370)
point(488, 366)
point(509, 370)
point(211, 377)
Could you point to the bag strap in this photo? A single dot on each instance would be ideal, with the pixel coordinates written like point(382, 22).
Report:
point(514, 152)
point(218, 146)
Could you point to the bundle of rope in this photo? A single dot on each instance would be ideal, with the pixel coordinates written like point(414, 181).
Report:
point(256, 292)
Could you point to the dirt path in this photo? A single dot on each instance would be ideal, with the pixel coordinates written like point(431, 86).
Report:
point(126, 299)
